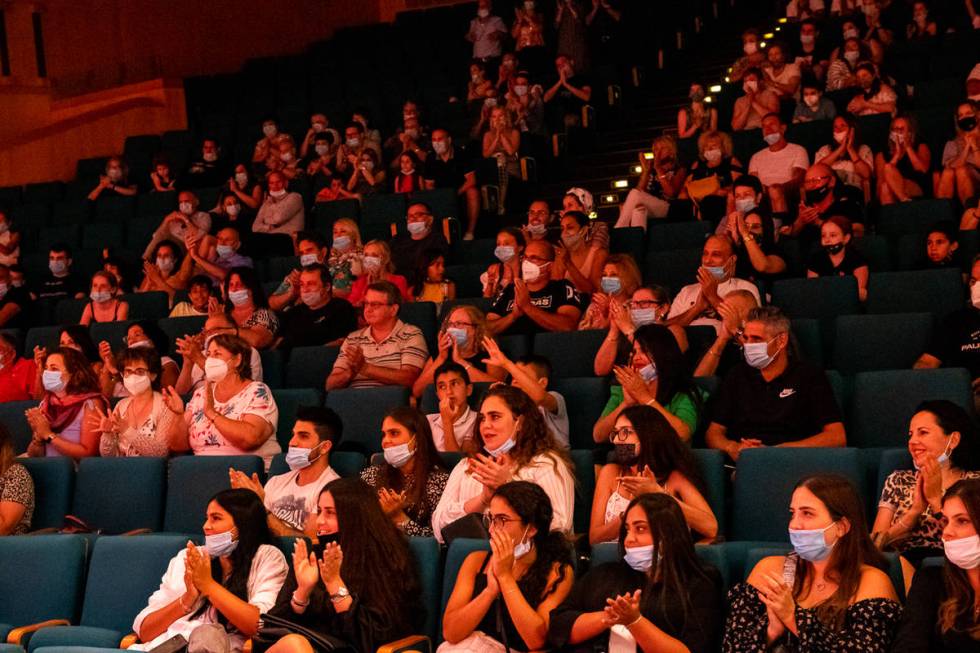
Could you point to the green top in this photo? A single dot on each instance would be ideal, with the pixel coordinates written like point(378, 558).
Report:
point(681, 406)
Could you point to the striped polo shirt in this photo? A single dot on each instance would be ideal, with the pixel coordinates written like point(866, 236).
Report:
point(403, 346)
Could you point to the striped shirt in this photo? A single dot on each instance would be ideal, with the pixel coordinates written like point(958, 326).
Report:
point(403, 346)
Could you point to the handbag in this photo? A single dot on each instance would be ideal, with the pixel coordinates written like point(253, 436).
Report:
point(698, 189)
point(273, 628)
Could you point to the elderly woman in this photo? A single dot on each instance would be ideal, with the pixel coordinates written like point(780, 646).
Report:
point(659, 183)
point(460, 340)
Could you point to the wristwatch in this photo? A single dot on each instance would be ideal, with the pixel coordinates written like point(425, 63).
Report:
point(341, 594)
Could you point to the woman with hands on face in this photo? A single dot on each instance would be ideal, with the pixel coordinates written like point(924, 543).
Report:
point(460, 340)
point(363, 588)
point(528, 569)
point(230, 581)
point(511, 442)
point(648, 458)
point(657, 597)
point(830, 594)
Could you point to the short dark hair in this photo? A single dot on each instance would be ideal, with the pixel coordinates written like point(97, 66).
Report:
point(61, 247)
point(452, 367)
point(946, 228)
point(325, 276)
point(774, 114)
point(538, 362)
point(389, 289)
point(428, 209)
point(810, 81)
point(146, 355)
point(312, 236)
point(354, 125)
point(751, 181)
point(201, 280)
point(326, 422)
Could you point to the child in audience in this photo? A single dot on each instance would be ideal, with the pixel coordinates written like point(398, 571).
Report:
point(837, 257)
point(453, 425)
point(431, 284)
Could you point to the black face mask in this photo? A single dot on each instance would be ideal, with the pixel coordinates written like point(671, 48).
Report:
point(966, 124)
point(625, 455)
point(834, 249)
point(814, 196)
point(324, 540)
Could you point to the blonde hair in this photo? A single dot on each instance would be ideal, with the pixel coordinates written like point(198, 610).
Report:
point(476, 316)
point(726, 142)
point(351, 226)
point(666, 140)
point(629, 272)
point(386, 264)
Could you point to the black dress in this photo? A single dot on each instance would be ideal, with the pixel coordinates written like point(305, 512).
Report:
point(920, 628)
point(697, 627)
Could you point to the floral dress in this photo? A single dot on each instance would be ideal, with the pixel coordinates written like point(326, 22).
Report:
point(341, 269)
point(419, 515)
point(205, 438)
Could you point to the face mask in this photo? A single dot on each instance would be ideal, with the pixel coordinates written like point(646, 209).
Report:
point(757, 354)
point(241, 178)
point(322, 150)
point(439, 147)
point(278, 193)
point(966, 124)
point(572, 241)
point(142, 344)
point(744, 205)
point(850, 34)
point(643, 316)
point(810, 544)
point(611, 285)
point(625, 454)
point(398, 455)
point(964, 552)
point(136, 384)
point(114, 174)
point(220, 545)
point(537, 228)
point(648, 372)
point(372, 263)
point(367, 165)
point(341, 243)
point(811, 100)
point(504, 253)
point(836, 248)
point(943, 458)
point(233, 210)
point(210, 157)
point(718, 272)
point(520, 90)
point(19, 283)
point(975, 295)
point(299, 458)
point(482, 13)
point(461, 337)
point(270, 130)
point(491, 102)
point(354, 143)
point(523, 547)
point(806, 39)
point(750, 48)
point(311, 299)
point(639, 558)
point(840, 136)
point(813, 196)
point(531, 271)
point(852, 56)
point(750, 86)
point(57, 267)
point(101, 296)
point(165, 264)
point(215, 369)
point(52, 381)
point(308, 259)
point(238, 297)
point(772, 139)
point(502, 449)
point(417, 228)
point(224, 250)
point(712, 156)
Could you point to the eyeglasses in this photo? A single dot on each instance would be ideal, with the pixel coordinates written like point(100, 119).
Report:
point(497, 521)
point(621, 434)
point(375, 304)
point(459, 325)
point(644, 303)
point(139, 371)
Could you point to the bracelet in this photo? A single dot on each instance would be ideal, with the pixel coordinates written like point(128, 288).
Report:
point(651, 402)
point(635, 621)
point(299, 603)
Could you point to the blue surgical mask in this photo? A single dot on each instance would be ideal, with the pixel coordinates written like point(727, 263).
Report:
point(943, 458)
point(416, 228)
point(238, 297)
point(649, 372)
point(341, 243)
point(57, 267)
point(461, 336)
point(744, 205)
point(717, 271)
point(504, 253)
point(52, 380)
point(810, 544)
point(502, 449)
point(298, 458)
point(308, 259)
point(757, 354)
point(224, 250)
point(220, 545)
point(398, 455)
point(643, 316)
point(639, 558)
point(611, 285)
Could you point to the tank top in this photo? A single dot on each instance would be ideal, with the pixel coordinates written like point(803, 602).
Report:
point(115, 312)
point(497, 619)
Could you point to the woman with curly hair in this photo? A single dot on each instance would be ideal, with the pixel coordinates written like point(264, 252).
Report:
point(512, 442)
point(461, 341)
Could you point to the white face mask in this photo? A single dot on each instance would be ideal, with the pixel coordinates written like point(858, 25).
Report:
point(531, 271)
point(215, 369)
point(137, 384)
point(232, 209)
point(186, 208)
point(840, 136)
point(975, 295)
point(964, 552)
point(278, 193)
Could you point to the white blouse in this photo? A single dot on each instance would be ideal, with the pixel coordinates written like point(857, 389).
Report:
point(265, 579)
point(550, 473)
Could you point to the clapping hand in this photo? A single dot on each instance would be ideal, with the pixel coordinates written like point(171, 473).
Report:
point(633, 384)
point(491, 472)
point(643, 483)
point(305, 567)
point(241, 481)
point(333, 558)
point(624, 610)
point(198, 569)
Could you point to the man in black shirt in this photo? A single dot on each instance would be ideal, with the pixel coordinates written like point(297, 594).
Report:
point(207, 169)
point(320, 318)
point(770, 400)
point(407, 248)
point(957, 341)
point(535, 303)
point(452, 167)
point(825, 196)
point(567, 95)
point(59, 282)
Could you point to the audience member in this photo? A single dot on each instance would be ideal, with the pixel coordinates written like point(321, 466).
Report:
point(813, 104)
point(620, 279)
point(313, 250)
point(200, 293)
point(501, 148)
point(757, 102)
point(461, 341)
point(407, 248)
point(186, 221)
point(58, 281)
point(753, 233)
point(165, 271)
point(115, 182)
point(781, 76)
point(486, 33)
point(582, 254)
point(568, 95)
point(754, 56)
point(162, 178)
point(712, 175)
point(847, 156)
point(194, 350)
point(648, 305)
point(453, 425)
point(961, 157)
point(942, 248)
point(207, 168)
point(660, 182)
point(245, 188)
point(16, 490)
point(10, 237)
point(837, 256)
point(509, 252)
point(824, 196)
point(726, 351)
point(780, 166)
point(453, 167)
point(698, 117)
point(105, 305)
point(17, 373)
point(875, 96)
point(376, 266)
point(221, 254)
point(247, 306)
point(15, 303)
point(902, 172)
point(811, 55)
point(320, 318)
point(408, 175)
point(430, 283)
point(281, 211)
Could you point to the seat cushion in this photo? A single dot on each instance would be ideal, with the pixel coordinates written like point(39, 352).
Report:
point(60, 636)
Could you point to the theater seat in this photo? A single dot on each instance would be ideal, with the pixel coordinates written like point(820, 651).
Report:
point(824, 297)
point(880, 342)
point(428, 558)
point(362, 410)
point(193, 481)
point(54, 483)
point(148, 305)
point(309, 367)
point(288, 402)
point(12, 416)
point(116, 495)
point(584, 400)
point(711, 464)
point(423, 316)
point(913, 217)
point(456, 554)
point(571, 353)
point(937, 291)
point(891, 460)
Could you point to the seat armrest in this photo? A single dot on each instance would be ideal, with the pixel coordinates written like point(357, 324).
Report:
point(16, 635)
point(129, 640)
point(410, 643)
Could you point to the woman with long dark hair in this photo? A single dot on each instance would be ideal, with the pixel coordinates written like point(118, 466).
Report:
point(248, 307)
point(230, 581)
point(659, 597)
point(529, 570)
point(658, 376)
point(941, 611)
point(648, 458)
point(364, 588)
point(511, 442)
point(830, 594)
point(412, 478)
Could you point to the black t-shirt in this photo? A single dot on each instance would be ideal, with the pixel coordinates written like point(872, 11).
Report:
point(201, 173)
point(563, 97)
point(820, 263)
point(52, 287)
point(955, 262)
point(451, 173)
point(18, 297)
point(303, 327)
point(957, 342)
point(406, 253)
point(550, 298)
point(797, 404)
point(242, 222)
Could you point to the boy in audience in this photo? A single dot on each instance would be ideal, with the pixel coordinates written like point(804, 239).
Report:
point(942, 247)
point(531, 373)
point(199, 292)
point(290, 498)
point(454, 422)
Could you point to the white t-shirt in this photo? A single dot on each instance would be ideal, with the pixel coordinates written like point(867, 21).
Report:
point(844, 167)
point(688, 296)
point(291, 502)
point(265, 579)
point(205, 438)
point(557, 421)
point(777, 167)
point(462, 428)
point(790, 70)
point(803, 8)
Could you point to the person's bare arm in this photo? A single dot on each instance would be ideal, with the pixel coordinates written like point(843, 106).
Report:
point(832, 435)
point(564, 319)
point(927, 362)
point(404, 375)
